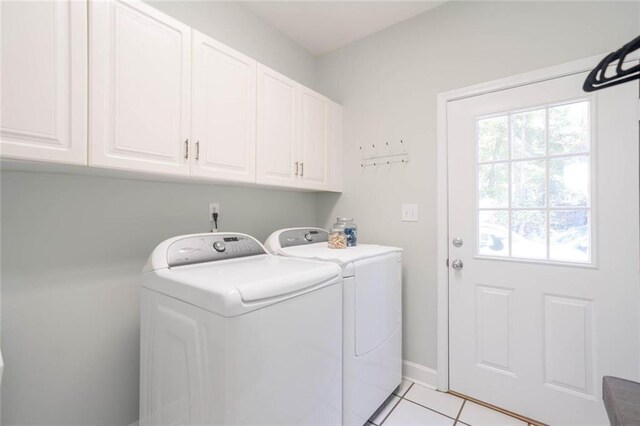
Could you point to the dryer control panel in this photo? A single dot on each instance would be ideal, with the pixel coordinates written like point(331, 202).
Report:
point(301, 236)
point(209, 248)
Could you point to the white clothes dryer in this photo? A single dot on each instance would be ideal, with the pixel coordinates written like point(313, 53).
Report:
point(231, 335)
point(372, 315)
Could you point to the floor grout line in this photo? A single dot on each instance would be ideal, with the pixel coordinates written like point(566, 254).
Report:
point(504, 412)
point(464, 401)
point(456, 420)
point(430, 409)
point(408, 389)
point(391, 411)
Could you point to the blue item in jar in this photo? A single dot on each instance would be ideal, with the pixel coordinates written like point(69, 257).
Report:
point(352, 236)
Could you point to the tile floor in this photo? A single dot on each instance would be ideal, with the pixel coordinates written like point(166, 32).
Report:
point(413, 404)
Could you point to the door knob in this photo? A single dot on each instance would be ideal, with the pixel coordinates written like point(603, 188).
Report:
point(457, 242)
point(457, 264)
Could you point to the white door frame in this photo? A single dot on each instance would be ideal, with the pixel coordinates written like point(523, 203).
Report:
point(442, 248)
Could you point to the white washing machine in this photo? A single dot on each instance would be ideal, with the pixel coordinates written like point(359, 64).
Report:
point(372, 315)
point(231, 335)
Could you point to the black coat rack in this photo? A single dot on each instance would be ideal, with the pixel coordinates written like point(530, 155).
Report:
point(597, 79)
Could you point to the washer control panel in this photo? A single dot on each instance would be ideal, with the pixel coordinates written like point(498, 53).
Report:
point(199, 249)
point(297, 237)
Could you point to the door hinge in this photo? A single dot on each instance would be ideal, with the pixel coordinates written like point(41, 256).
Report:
point(447, 262)
point(186, 149)
point(297, 167)
point(197, 150)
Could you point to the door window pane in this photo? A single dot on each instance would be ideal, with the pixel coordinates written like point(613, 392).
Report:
point(493, 139)
point(569, 128)
point(527, 134)
point(528, 183)
point(569, 181)
point(534, 184)
point(494, 233)
point(570, 236)
point(493, 185)
point(529, 234)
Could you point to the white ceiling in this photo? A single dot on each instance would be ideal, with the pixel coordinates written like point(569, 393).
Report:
point(323, 26)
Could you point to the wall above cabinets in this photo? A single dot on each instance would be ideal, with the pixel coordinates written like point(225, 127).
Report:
point(162, 99)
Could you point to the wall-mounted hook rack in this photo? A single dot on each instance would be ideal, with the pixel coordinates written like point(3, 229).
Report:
point(392, 154)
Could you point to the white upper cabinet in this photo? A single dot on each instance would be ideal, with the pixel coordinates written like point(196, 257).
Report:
point(139, 68)
point(118, 84)
point(223, 112)
point(277, 162)
point(295, 136)
point(313, 139)
point(44, 80)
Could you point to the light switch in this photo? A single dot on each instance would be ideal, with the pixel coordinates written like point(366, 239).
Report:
point(409, 213)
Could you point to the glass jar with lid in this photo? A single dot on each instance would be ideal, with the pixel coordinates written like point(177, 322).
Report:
point(350, 229)
point(337, 237)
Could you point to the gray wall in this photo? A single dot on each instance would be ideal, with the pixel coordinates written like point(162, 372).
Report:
point(388, 84)
point(72, 251)
point(73, 248)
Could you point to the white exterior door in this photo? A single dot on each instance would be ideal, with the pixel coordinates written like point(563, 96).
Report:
point(223, 112)
point(44, 80)
point(140, 87)
point(543, 196)
point(277, 136)
point(313, 139)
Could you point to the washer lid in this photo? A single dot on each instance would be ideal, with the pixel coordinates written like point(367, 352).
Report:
point(237, 286)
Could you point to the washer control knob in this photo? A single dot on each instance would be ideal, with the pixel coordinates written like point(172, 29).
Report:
point(219, 246)
point(308, 237)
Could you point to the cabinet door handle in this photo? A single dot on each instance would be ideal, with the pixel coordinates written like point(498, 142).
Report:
point(197, 150)
point(297, 168)
point(186, 149)
point(301, 169)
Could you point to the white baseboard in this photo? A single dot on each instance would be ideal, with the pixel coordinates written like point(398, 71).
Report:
point(420, 374)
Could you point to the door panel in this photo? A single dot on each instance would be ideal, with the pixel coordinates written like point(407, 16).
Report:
point(568, 343)
point(494, 329)
point(44, 52)
point(140, 87)
point(224, 111)
point(313, 139)
point(543, 192)
point(277, 129)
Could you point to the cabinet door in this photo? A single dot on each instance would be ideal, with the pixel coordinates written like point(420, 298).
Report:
point(44, 80)
point(223, 111)
point(140, 85)
point(313, 139)
point(277, 129)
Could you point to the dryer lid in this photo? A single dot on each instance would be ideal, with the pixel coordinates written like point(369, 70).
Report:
point(320, 251)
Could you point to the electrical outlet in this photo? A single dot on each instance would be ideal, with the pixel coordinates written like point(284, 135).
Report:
point(409, 213)
point(213, 208)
